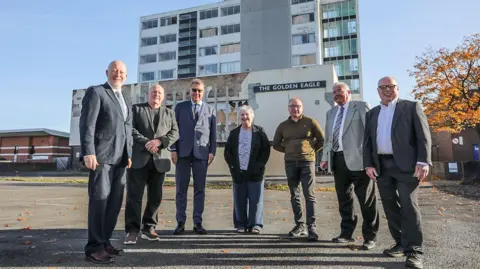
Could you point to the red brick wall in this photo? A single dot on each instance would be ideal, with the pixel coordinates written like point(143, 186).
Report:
point(37, 141)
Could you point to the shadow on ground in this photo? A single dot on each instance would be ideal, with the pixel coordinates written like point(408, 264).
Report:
point(64, 247)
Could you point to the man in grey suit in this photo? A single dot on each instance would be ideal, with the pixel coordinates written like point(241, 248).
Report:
point(194, 150)
point(154, 130)
point(397, 155)
point(106, 150)
point(343, 155)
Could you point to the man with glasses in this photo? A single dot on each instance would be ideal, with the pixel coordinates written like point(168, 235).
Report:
point(195, 150)
point(300, 138)
point(397, 156)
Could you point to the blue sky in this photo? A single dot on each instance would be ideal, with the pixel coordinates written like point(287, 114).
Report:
point(50, 47)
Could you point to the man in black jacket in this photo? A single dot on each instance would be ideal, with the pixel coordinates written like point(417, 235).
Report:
point(154, 130)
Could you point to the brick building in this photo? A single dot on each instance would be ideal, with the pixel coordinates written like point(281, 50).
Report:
point(33, 145)
point(461, 147)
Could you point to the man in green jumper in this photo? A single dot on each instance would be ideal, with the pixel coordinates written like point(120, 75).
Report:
point(300, 138)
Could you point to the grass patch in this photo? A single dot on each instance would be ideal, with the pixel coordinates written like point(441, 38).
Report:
point(169, 182)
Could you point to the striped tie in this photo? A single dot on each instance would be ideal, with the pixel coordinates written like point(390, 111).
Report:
point(336, 130)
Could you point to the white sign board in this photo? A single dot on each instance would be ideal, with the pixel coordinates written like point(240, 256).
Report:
point(452, 167)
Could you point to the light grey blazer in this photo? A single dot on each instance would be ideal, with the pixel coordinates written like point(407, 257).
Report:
point(352, 137)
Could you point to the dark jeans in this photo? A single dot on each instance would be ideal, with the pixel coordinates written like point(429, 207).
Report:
point(302, 172)
point(346, 183)
point(106, 186)
point(185, 166)
point(248, 195)
point(399, 193)
point(136, 182)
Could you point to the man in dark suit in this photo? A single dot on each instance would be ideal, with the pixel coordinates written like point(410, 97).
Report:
point(397, 156)
point(106, 150)
point(154, 130)
point(342, 154)
point(194, 150)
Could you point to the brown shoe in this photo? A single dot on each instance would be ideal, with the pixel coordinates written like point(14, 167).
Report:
point(101, 257)
point(111, 250)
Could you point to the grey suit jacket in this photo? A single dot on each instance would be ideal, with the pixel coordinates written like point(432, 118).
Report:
point(144, 131)
point(199, 137)
point(352, 137)
point(103, 130)
point(410, 134)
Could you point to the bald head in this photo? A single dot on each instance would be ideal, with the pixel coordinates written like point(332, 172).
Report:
point(387, 89)
point(116, 74)
point(156, 95)
point(295, 108)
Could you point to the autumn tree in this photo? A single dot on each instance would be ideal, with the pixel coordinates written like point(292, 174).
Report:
point(447, 85)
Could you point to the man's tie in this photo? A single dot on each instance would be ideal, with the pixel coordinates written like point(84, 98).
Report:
point(121, 101)
point(336, 130)
point(195, 112)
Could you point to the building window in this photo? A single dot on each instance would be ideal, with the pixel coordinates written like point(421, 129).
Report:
point(303, 18)
point(231, 67)
point(212, 50)
point(346, 67)
point(230, 29)
point(226, 11)
point(208, 14)
point(168, 38)
point(149, 58)
point(147, 76)
point(167, 56)
point(294, 2)
point(150, 24)
point(208, 69)
point(339, 9)
point(208, 32)
point(341, 48)
point(167, 74)
point(303, 39)
point(230, 48)
point(182, 71)
point(303, 59)
point(148, 41)
point(168, 21)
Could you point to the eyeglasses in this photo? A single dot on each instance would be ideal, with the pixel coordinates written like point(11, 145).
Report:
point(295, 106)
point(384, 87)
point(197, 90)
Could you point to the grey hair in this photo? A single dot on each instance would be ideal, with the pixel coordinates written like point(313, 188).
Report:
point(341, 84)
point(248, 109)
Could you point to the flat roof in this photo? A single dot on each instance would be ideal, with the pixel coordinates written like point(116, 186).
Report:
point(33, 132)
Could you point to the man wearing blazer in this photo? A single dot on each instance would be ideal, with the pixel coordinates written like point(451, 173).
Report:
point(343, 154)
point(106, 150)
point(194, 150)
point(154, 129)
point(397, 155)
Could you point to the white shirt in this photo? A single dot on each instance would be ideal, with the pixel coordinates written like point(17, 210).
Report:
point(340, 134)
point(384, 128)
point(199, 105)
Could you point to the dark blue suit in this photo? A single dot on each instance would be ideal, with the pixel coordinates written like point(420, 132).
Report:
point(197, 140)
point(106, 133)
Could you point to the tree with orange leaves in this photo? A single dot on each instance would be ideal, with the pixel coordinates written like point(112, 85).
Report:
point(448, 86)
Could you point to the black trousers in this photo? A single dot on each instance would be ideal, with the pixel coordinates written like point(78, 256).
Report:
point(136, 182)
point(346, 183)
point(399, 193)
point(106, 186)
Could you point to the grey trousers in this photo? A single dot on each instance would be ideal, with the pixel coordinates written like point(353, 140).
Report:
point(302, 172)
point(399, 194)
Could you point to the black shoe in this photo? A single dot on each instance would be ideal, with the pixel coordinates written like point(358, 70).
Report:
point(150, 235)
point(395, 251)
point(343, 239)
point(312, 234)
point(298, 230)
point(101, 257)
point(198, 228)
point(112, 251)
point(180, 229)
point(368, 245)
point(414, 261)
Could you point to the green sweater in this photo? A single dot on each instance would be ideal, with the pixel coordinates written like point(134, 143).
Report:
point(299, 140)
